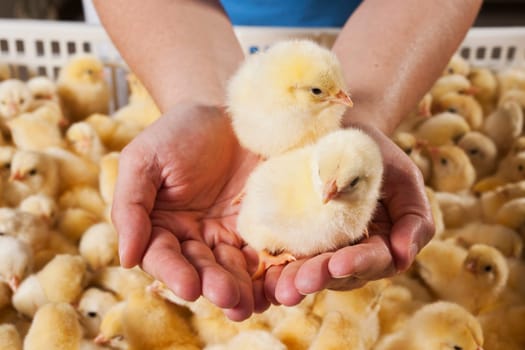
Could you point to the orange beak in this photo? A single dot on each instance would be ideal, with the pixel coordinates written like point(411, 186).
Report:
point(343, 98)
point(100, 340)
point(471, 266)
point(63, 122)
point(14, 283)
point(330, 191)
point(16, 177)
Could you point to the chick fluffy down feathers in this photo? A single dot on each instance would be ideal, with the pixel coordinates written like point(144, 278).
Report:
point(283, 206)
point(270, 100)
point(9, 337)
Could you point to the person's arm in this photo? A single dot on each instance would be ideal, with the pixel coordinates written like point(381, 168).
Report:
point(182, 50)
point(393, 51)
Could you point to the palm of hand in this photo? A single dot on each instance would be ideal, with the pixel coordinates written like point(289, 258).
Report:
point(184, 235)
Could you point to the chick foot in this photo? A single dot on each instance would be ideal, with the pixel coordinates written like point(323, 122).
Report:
point(266, 260)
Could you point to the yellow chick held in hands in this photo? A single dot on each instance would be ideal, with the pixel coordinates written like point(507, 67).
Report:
point(287, 97)
point(311, 200)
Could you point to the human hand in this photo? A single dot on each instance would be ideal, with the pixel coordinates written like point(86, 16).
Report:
point(172, 209)
point(401, 226)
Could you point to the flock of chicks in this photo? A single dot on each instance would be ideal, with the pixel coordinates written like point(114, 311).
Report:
point(61, 286)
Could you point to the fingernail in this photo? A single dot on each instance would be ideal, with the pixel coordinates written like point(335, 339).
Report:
point(413, 251)
point(342, 276)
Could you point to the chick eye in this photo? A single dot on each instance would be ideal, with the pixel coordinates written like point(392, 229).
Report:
point(520, 167)
point(408, 150)
point(89, 71)
point(443, 161)
point(7, 166)
point(92, 314)
point(487, 268)
point(33, 172)
point(452, 110)
point(473, 151)
point(457, 347)
point(451, 71)
point(2, 234)
point(354, 182)
point(316, 91)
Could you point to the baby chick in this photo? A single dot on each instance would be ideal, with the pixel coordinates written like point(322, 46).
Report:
point(437, 326)
point(27, 227)
point(441, 129)
point(73, 222)
point(452, 170)
point(36, 172)
point(416, 151)
point(93, 305)
point(482, 152)
point(511, 78)
point(85, 142)
point(55, 326)
point(122, 282)
point(114, 134)
point(15, 98)
point(478, 274)
point(457, 65)
point(9, 337)
point(486, 87)
point(42, 206)
point(297, 85)
point(31, 132)
point(450, 83)
point(108, 176)
point(466, 106)
point(72, 169)
point(141, 109)
point(327, 204)
point(62, 280)
point(504, 125)
point(84, 197)
point(511, 169)
point(503, 328)
point(99, 246)
point(82, 87)
point(512, 214)
point(43, 89)
point(506, 240)
point(17, 260)
point(458, 209)
point(111, 330)
point(492, 201)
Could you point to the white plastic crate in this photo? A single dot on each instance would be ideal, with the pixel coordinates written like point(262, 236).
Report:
point(41, 47)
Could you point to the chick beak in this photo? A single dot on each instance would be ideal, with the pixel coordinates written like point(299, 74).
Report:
point(12, 108)
point(63, 122)
point(343, 98)
point(471, 266)
point(14, 283)
point(101, 340)
point(330, 191)
point(16, 176)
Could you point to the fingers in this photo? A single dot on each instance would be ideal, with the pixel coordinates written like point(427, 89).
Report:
point(233, 261)
point(409, 235)
point(286, 292)
point(164, 261)
point(135, 191)
point(313, 275)
point(368, 260)
point(218, 284)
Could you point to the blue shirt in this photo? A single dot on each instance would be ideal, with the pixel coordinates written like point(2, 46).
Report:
point(290, 13)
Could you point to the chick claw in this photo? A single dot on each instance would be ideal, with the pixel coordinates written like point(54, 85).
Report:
point(266, 260)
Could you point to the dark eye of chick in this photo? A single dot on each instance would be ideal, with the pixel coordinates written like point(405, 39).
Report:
point(451, 70)
point(520, 167)
point(452, 110)
point(89, 71)
point(33, 172)
point(487, 268)
point(316, 91)
point(408, 150)
point(473, 151)
point(354, 182)
point(21, 100)
point(92, 314)
point(7, 166)
point(457, 347)
point(443, 161)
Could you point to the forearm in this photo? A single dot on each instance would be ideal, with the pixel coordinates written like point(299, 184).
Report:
point(392, 52)
point(183, 50)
